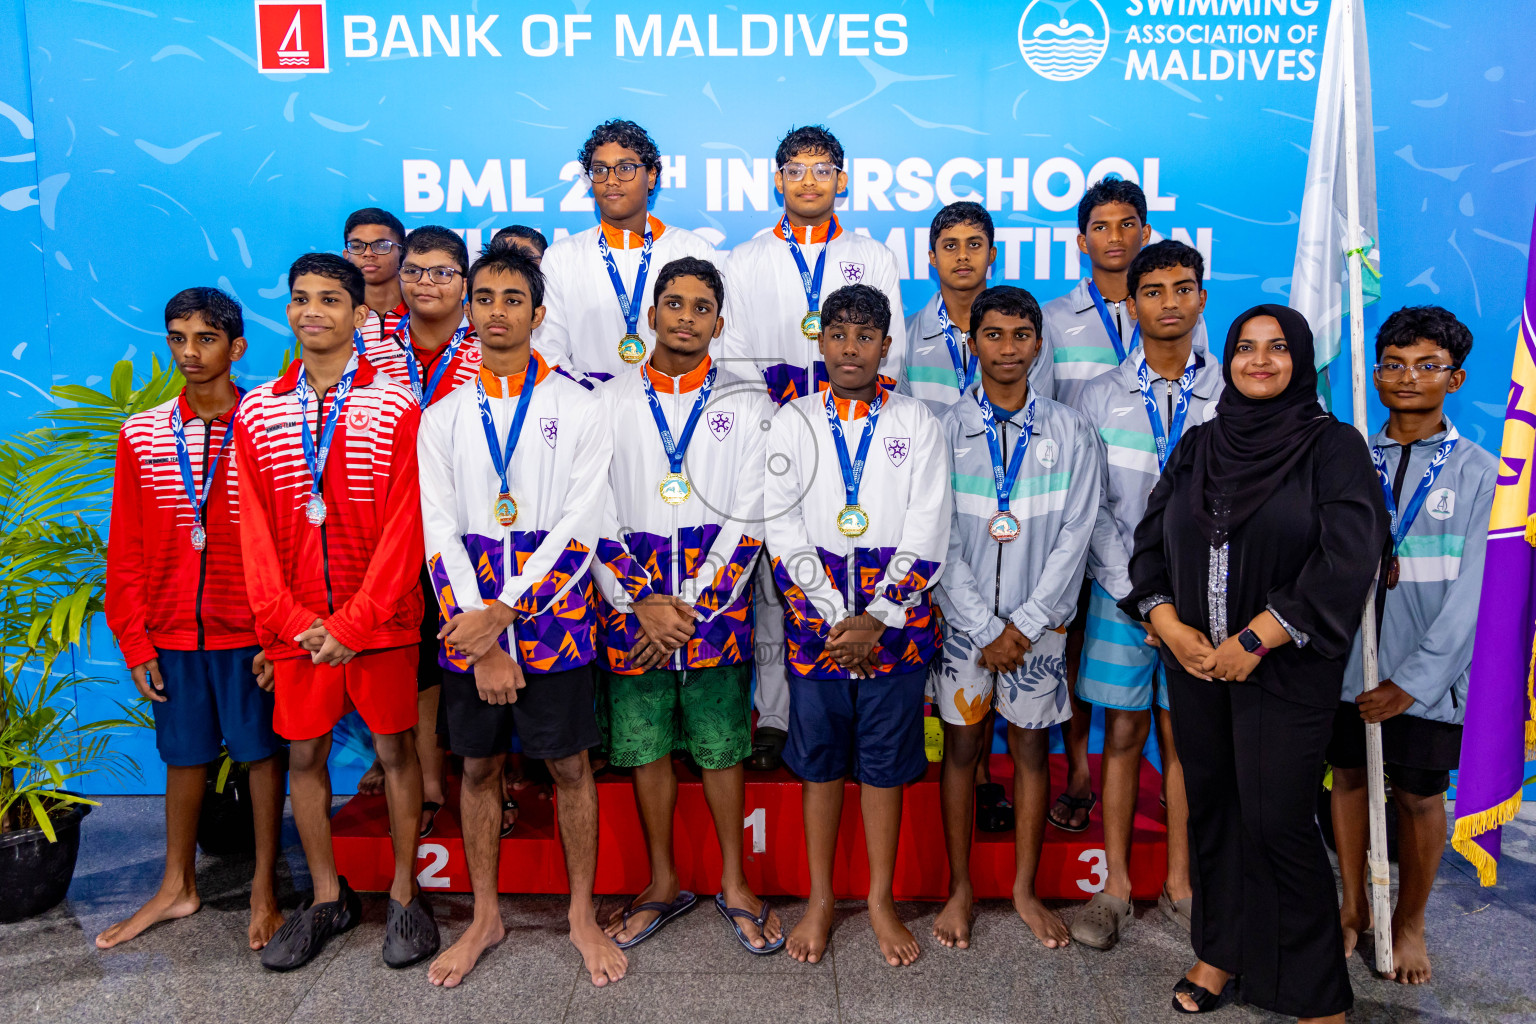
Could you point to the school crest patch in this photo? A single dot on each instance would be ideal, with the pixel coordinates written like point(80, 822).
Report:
point(358, 420)
point(853, 273)
point(472, 355)
point(897, 449)
point(720, 424)
point(549, 426)
point(1441, 504)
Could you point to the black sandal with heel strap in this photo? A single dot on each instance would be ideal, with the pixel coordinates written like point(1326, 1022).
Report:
point(1205, 1000)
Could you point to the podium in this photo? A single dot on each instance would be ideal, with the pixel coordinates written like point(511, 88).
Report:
point(1072, 866)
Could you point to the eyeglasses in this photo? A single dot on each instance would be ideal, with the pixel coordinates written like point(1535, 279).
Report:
point(625, 171)
point(1419, 371)
point(383, 247)
point(821, 172)
point(437, 275)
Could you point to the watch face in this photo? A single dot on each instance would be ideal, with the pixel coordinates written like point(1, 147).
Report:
point(1250, 640)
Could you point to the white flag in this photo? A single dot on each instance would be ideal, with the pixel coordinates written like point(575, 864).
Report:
point(1319, 281)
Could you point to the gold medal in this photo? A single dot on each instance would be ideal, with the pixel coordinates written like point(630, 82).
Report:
point(1003, 526)
point(852, 521)
point(631, 348)
point(505, 509)
point(810, 324)
point(675, 489)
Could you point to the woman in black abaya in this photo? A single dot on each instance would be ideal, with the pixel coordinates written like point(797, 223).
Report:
point(1252, 566)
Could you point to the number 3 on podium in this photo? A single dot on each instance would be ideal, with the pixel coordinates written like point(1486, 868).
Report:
point(1098, 871)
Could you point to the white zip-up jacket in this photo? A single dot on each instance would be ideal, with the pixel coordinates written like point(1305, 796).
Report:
point(702, 550)
point(765, 302)
point(540, 566)
point(582, 319)
point(889, 571)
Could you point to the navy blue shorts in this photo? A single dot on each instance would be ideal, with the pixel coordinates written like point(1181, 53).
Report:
point(212, 696)
point(868, 729)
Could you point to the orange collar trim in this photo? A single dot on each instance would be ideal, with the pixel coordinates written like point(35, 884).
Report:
point(515, 382)
point(811, 235)
point(853, 409)
point(620, 239)
point(690, 381)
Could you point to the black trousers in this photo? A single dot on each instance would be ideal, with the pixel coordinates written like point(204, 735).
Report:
point(1265, 905)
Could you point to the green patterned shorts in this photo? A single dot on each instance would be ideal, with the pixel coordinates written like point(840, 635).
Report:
point(706, 712)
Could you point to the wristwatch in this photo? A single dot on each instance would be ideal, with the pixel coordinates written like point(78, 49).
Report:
point(1251, 643)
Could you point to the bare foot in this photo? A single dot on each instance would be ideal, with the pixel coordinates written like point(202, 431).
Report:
point(1208, 978)
point(604, 961)
point(372, 782)
point(742, 898)
point(1410, 955)
point(1353, 923)
point(953, 925)
point(1047, 925)
point(896, 943)
point(808, 939)
point(162, 906)
point(266, 919)
point(453, 963)
point(618, 931)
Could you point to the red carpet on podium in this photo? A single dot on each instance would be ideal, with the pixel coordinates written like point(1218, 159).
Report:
point(1072, 865)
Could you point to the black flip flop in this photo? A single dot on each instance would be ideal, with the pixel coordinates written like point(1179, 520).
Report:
point(508, 805)
point(993, 811)
point(664, 912)
point(1073, 804)
point(431, 807)
point(1205, 1000)
point(760, 919)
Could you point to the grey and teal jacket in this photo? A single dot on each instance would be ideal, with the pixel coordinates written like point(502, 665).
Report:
point(929, 373)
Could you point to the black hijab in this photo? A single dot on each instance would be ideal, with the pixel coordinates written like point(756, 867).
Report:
point(1241, 456)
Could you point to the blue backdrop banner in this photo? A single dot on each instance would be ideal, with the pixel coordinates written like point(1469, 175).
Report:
point(149, 146)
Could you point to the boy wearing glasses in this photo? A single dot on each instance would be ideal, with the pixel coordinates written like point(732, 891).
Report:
point(776, 282)
point(1438, 487)
point(372, 242)
point(598, 298)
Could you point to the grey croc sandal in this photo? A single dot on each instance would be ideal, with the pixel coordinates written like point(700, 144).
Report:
point(1177, 911)
point(1098, 924)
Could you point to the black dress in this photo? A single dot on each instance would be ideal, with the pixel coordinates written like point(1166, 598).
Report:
point(1265, 906)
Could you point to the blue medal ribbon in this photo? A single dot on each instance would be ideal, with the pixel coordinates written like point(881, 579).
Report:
point(501, 454)
point(853, 469)
point(403, 339)
point(184, 458)
point(315, 456)
point(1166, 441)
point(1003, 479)
point(1402, 523)
point(678, 448)
point(964, 363)
point(629, 302)
point(809, 280)
point(1110, 327)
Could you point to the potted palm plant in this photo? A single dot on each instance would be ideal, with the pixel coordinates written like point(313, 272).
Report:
point(55, 487)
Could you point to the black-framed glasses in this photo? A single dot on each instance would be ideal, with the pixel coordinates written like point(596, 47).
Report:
point(1419, 371)
point(821, 172)
point(437, 275)
point(624, 171)
point(382, 247)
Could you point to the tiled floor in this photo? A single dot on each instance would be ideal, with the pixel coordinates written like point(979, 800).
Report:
point(1483, 942)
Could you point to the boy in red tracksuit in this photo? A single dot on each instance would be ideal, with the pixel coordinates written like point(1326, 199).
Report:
point(176, 604)
point(330, 520)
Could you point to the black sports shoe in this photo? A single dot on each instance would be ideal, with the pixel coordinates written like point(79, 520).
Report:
point(304, 934)
point(767, 749)
point(410, 933)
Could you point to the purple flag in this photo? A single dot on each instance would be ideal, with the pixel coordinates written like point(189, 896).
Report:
point(1500, 732)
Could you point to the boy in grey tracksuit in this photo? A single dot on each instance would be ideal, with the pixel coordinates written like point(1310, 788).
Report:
point(1026, 480)
point(1439, 488)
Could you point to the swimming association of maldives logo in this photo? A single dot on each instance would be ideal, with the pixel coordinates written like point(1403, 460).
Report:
point(290, 36)
point(1063, 40)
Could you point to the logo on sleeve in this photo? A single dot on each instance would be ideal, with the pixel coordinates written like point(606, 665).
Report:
point(1441, 504)
point(1046, 451)
point(549, 426)
point(897, 449)
point(853, 273)
point(720, 424)
point(290, 36)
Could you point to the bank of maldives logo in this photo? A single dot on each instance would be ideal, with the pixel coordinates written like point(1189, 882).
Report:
point(1063, 40)
point(290, 36)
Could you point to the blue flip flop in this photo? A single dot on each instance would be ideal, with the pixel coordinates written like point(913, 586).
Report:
point(760, 919)
point(665, 912)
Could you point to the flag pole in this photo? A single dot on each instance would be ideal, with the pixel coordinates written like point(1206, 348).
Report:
point(1381, 872)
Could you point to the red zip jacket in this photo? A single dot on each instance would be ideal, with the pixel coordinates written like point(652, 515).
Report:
point(358, 570)
point(390, 354)
point(162, 592)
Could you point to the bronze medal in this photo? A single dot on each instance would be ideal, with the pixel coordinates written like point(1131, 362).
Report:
point(1392, 574)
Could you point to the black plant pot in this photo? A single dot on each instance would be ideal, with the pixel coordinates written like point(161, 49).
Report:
point(34, 873)
point(226, 827)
